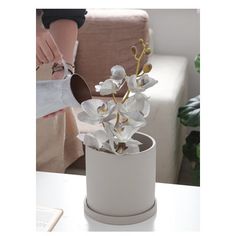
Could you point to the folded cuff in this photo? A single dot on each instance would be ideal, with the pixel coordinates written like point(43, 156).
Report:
point(51, 15)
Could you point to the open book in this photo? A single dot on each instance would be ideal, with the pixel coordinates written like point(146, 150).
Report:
point(47, 218)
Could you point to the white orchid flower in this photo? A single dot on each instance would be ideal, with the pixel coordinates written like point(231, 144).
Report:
point(114, 83)
point(128, 149)
point(136, 103)
point(131, 146)
point(131, 118)
point(140, 84)
point(94, 140)
point(118, 73)
point(123, 133)
point(107, 87)
point(129, 124)
point(116, 137)
point(110, 145)
point(97, 111)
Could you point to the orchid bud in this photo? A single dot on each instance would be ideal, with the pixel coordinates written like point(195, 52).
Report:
point(134, 50)
point(141, 41)
point(147, 68)
point(148, 51)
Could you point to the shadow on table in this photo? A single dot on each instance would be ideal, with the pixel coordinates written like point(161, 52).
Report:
point(147, 225)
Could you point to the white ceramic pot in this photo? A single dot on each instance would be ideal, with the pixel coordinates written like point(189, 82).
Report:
point(121, 189)
point(53, 95)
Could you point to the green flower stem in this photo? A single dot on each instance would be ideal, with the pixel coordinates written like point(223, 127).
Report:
point(141, 74)
point(117, 114)
point(117, 118)
point(126, 96)
point(114, 98)
point(139, 59)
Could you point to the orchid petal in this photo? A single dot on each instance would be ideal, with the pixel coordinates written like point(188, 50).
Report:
point(91, 141)
point(106, 147)
point(95, 139)
point(80, 136)
point(123, 133)
point(108, 129)
point(140, 84)
point(109, 118)
point(131, 149)
point(101, 135)
point(127, 133)
point(97, 111)
point(118, 72)
point(138, 102)
point(135, 119)
point(149, 82)
point(107, 87)
point(133, 142)
point(131, 82)
point(90, 106)
point(84, 117)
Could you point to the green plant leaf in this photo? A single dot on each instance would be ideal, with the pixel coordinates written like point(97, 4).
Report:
point(191, 145)
point(190, 113)
point(197, 63)
point(193, 137)
point(196, 176)
point(198, 151)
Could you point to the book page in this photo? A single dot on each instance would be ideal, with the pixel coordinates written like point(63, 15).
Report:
point(46, 218)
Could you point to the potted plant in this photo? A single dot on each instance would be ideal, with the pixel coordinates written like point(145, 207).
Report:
point(189, 115)
point(120, 162)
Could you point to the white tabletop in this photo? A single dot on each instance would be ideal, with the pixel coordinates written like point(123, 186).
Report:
point(178, 207)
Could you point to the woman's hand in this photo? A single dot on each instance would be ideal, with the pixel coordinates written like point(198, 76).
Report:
point(46, 48)
point(47, 51)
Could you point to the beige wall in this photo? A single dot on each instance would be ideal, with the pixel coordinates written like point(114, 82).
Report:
point(177, 32)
